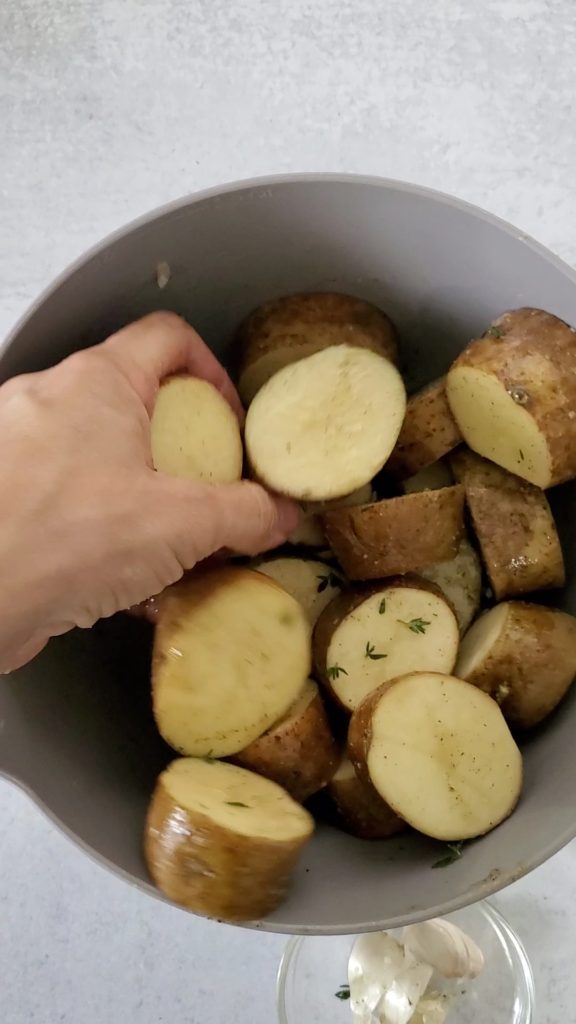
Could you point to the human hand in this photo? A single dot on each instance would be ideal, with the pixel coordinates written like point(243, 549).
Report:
point(87, 527)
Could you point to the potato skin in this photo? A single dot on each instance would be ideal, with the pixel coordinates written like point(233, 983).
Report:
point(342, 606)
point(397, 535)
point(429, 431)
point(532, 665)
point(299, 753)
point(535, 351)
point(212, 870)
point(514, 526)
point(358, 746)
point(315, 319)
point(361, 811)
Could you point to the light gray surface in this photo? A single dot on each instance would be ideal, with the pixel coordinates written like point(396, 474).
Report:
point(109, 108)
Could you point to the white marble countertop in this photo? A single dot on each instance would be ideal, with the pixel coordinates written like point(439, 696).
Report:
point(110, 107)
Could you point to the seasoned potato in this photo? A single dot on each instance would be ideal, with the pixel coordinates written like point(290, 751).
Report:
point(460, 580)
point(287, 329)
point(309, 532)
point(366, 637)
point(513, 395)
point(299, 752)
point(439, 752)
point(324, 426)
point(428, 433)
point(432, 478)
point(523, 655)
point(397, 535)
point(223, 841)
point(194, 432)
point(514, 526)
point(231, 654)
point(311, 582)
point(361, 811)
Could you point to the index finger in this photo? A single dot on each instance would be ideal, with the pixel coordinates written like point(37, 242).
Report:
point(163, 343)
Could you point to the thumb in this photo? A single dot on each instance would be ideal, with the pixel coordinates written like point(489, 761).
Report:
point(198, 519)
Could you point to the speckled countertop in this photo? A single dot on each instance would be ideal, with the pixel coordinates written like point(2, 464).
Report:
point(110, 107)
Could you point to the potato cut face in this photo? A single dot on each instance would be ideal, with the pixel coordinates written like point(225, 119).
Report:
point(496, 426)
point(443, 757)
point(432, 478)
point(460, 579)
point(324, 426)
point(254, 376)
point(194, 432)
point(236, 799)
point(231, 654)
point(481, 639)
point(398, 630)
point(313, 584)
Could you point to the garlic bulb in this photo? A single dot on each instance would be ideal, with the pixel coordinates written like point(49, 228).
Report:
point(445, 947)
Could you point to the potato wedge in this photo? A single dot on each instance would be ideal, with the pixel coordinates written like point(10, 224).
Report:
point(432, 478)
point(439, 752)
point(309, 532)
point(428, 433)
point(194, 432)
point(366, 637)
point(223, 841)
point(311, 582)
point(360, 809)
point(231, 654)
point(397, 535)
point(460, 580)
point(524, 656)
point(287, 329)
point(299, 752)
point(513, 395)
point(324, 426)
point(514, 526)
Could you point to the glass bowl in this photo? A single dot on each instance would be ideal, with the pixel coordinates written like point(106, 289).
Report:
point(314, 968)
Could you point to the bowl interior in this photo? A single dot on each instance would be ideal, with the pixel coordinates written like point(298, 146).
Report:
point(77, 727)
point(314, 968)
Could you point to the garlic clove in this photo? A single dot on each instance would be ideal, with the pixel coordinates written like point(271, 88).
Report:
point(375, 961)
point(445, 947)
point(400, 1001)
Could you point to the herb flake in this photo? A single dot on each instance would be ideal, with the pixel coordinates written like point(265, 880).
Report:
point(382, 606)
point(455, 851)
point(236, 803)
point(209, 758)
point(343, 992)
point(334, 671)
point(494, 332)
point(415, 625)
point(370, 652)
point(329, 580)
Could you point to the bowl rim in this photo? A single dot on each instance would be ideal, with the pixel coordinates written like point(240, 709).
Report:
point(522, 968)
point(158, 213)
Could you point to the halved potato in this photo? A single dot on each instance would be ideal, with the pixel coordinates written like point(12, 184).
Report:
point(397, 535)
point(439, 752)
point(361, 811)
point(428, 433)
point(523, 655)
point(432, 478)
point(287, 329)
point(309, 532)
point(299, 752)
point(194, 432)
point(366, 637)
point(514, 526)
point(513, 395)
point(324, 426)
point(311, 582)
point(223, 841)
point(231, 654)
point(460, 580)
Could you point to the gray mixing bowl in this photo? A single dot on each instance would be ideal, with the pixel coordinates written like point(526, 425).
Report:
point(77, 732)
